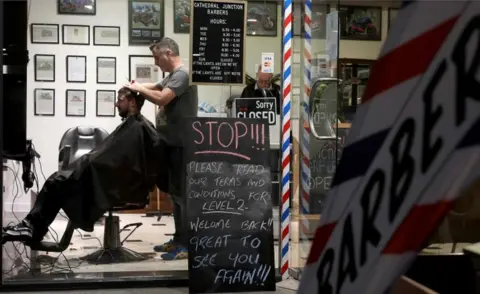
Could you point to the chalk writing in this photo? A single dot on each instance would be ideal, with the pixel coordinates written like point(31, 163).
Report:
point(229, 206)
point(257, 275)
point(220, 136)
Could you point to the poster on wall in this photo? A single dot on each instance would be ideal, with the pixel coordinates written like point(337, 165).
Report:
point(145, 21)
point(44, 33)
point(142, 69)
point(262, 18)
point(84, 7)
point(360, 23)
point(75, 103)
point(106, 103)
point(44, 68)
point(44, 103)
point(181, 16)
point(76, 69)
point(106, 70)
point(317, 22)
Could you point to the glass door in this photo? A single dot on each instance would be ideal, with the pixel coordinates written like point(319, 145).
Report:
point(319, 129)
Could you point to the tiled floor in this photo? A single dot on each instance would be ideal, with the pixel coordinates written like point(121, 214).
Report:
point(151, 233)
point(17, 261)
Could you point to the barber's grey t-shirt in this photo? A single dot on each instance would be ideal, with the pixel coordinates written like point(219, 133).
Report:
point(170, 120)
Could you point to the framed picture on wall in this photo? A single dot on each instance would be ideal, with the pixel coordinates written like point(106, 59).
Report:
point(106, 70)
point(181, 16)
point(84, 7)
point(318, 23)
point(392, 14)
point(262, 18)
point(142, 69)
point(76, 69)
point(76, 35)
point(106, 103)
point(145, 21)
point(75, 102)
point(44, 102)
point(44, 67)
point(106, 36)
point(43, 33)
point(360, 23)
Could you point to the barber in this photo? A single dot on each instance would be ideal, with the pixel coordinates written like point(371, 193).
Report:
point(263, 87)
point(176, 99)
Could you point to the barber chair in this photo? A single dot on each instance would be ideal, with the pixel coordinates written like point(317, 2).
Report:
point(113, 250)
point(75, 143)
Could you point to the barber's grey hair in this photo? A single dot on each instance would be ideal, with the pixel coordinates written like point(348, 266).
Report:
point(166, 43)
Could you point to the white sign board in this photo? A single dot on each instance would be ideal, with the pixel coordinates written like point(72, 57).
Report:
point(268, 62)
point(417, 135)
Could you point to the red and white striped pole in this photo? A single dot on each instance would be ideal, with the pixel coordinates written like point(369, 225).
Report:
point(286, 136)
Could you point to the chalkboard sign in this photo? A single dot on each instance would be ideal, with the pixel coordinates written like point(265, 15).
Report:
point(228, 189)
point(262, 108)
point(217, 40)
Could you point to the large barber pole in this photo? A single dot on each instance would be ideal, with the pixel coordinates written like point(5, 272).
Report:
point(305, 144)
point(286, 135)
point(417, 136)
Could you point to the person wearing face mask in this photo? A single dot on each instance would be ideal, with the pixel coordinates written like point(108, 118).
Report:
point(263, 88)
point(123, 168)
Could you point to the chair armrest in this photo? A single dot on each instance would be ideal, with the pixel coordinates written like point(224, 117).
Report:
point(64, 157)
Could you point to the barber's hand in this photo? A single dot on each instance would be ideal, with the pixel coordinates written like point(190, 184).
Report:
point(133, 86)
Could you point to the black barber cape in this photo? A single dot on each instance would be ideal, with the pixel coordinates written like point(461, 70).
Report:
point(123, 169)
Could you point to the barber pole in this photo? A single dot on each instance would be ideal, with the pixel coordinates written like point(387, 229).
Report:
point(305, 145)
point(286, 136)
point(417, 133)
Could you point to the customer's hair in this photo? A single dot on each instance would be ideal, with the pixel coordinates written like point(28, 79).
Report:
point(139, 99)
point(165, 43)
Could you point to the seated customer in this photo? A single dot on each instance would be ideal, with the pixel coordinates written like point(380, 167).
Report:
point(263, 88)
point(121, 170)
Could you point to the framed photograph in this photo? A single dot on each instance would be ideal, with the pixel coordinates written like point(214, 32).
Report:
point(318, 23)
point(76, 69)
point(106, 103)
point(142, 69)
point(106, 36)
point(84, 7)
point(392, 14)
point(44, 33)
point(106, 70)
point(75, 102)
point(76, 34)
point(44, 68)
point(360, 23)
point(44, 102)
point(262, 18)
point(145, 21)
point(181, 16)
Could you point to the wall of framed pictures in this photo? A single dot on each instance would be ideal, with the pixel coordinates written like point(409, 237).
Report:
point(87, 47)
point(82, 54)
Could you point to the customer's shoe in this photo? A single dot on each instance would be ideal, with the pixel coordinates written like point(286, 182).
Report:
point(178, 254)
point(22, 232)
point(166, 247)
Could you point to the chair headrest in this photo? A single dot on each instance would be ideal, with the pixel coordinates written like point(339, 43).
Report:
point(86, 131)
